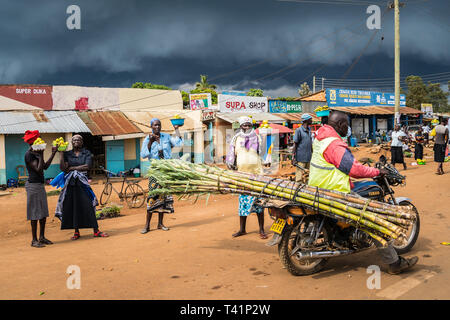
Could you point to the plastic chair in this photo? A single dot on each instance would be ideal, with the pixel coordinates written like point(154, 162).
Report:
point(21, 173)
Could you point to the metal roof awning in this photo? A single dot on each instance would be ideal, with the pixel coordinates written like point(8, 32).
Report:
point(376, 110)
point(45, 121)
point(142, 120)
point(108, 123)
point(232, 117)
point(297, 117)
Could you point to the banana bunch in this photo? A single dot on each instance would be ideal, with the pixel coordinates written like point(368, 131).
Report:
point(421, 161)
point(265, 124)
point(322, 108)
point(38, 141)
point(177, 116)
point(61, 144)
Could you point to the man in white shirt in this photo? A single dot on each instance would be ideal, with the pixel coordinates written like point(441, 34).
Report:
point(398, 137)
point(426, 133)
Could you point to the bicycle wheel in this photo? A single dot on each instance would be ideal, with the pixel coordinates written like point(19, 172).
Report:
point(134, 195)
point(106, 193)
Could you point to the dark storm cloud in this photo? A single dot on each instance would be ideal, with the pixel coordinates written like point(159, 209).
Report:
point(172, 42)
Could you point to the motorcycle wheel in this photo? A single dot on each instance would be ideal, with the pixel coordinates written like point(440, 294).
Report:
point(412, 234)
point(290, 238)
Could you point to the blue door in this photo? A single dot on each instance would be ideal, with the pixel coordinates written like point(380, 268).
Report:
point(115, 156)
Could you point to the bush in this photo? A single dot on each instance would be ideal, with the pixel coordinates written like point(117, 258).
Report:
point(108, 212)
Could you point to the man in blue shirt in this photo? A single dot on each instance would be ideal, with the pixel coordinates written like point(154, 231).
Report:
point(158, 145)
point(302, 147)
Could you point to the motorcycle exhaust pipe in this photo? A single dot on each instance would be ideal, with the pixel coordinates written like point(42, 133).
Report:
point(322, 254)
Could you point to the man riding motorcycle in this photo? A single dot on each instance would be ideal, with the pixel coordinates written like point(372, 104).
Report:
point(332, 165)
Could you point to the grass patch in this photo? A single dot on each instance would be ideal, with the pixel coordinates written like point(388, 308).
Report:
point(108, 212)
point(54, 192)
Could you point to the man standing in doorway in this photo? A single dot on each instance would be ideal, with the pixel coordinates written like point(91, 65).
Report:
point(302, 147)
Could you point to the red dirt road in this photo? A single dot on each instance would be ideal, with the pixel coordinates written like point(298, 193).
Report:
point(198, 258)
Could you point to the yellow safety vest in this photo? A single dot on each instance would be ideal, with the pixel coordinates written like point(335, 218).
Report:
point(323, 174)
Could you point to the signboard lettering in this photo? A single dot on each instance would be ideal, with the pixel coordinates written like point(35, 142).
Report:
point(231, 103)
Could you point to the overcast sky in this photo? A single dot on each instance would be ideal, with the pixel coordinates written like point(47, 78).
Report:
point(269, 44)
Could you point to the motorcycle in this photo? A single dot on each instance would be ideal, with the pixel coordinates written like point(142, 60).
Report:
point(306, 239)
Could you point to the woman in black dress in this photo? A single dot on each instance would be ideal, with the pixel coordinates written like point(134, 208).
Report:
point(79, 202)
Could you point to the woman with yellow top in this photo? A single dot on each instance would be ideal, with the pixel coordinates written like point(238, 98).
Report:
point(245, 155)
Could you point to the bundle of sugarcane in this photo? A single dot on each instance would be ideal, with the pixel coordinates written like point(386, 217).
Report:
point(382, 221)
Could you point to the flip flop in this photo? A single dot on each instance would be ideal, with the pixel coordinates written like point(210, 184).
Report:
point(144, 231)
point(100, 234)
point(263, 236)
point(76, 236)
point(164, 228)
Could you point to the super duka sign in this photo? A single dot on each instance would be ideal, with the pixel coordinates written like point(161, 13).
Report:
point(230, 103)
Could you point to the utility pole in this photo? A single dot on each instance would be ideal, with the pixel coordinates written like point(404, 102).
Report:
point(314, 84)
point(396, 5)
point(322, 82)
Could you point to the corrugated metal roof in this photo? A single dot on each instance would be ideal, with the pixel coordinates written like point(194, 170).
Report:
point(373, 110)
point(105, 123)
point(297, 117)
point(12, 122)
point(142, 120)
point(234, 117)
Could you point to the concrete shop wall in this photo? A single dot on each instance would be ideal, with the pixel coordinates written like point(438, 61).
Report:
point(15, 149)
point(2, 160)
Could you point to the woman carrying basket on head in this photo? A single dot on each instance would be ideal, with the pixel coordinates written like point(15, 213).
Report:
point(158, 145)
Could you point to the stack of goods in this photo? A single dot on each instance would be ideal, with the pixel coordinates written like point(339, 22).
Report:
point(323, 111)
point(381, 221)
point(265, 124)
point(62, 146)
point(39, 145)
point(421, 161)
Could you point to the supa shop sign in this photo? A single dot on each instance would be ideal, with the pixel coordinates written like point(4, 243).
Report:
point(230, 103)
point(280, 106)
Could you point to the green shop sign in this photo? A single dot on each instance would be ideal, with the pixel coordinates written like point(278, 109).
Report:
point(280, 106)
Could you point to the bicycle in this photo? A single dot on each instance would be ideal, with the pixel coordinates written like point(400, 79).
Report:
point(134, 194)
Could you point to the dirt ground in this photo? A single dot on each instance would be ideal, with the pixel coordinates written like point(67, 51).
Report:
point(198, 258)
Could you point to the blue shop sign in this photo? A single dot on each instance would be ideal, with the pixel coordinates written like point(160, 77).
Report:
point(359, 98)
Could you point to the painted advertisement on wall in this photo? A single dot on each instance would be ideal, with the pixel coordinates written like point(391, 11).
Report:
point(200, 101)
point(279, 106)
point(359, 98)
point(230, 103)
point(36, 96)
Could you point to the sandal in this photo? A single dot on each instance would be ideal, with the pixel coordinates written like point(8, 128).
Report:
point(45, 241)
point(100, 234)
point(76, 236)
point(263, 236)
point(144, 231)
point(37, 244)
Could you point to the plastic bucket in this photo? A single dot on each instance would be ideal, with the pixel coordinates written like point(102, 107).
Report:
point(324, 113)
point(177, 122)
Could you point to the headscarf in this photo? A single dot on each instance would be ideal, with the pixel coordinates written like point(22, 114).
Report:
point(153, 121)
point(305, 117)
point(31, 136)
point(244, 119)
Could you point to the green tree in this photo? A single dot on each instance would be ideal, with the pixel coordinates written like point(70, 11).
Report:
point(287, 98)
point(212, 91)
point(437, 97)
point(304, 90)
point(149, 85)
point(255, 93)
point(203, 84)
point(185, 97)
point(418, 92)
